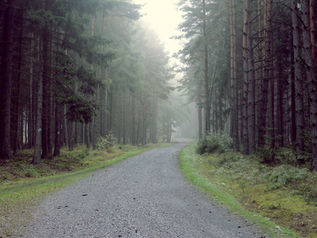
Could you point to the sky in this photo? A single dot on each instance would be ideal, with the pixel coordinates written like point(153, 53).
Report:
point(163, 17)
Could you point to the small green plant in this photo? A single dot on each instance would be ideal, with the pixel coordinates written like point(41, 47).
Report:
point(229, 159)
point(286, 156)
point(214, 144)
point(266, 155)
point(287, 175)
point(107, 142)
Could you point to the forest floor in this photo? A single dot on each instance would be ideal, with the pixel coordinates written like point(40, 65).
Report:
point(245, 186)
point(23, 185)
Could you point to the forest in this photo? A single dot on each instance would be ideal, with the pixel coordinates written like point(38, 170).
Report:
point(85, 84)
point(250, 66)
point(80, 72)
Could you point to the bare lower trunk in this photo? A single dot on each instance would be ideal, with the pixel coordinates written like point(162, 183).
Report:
point(30, 111)
point(38, 126)
point(293, 96)
point(46, 95)
point(299, 102)
point(313, 85)
point(57, 144)
point(206, 78)
point(6, 82)
point(65, 127)
point(246, 56)
point(251, 99)
point(200, 123)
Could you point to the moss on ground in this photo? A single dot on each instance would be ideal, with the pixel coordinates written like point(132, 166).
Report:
point(243, 185)
point(23, 185)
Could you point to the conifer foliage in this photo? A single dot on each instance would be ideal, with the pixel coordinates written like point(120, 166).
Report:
point(75, 70)
point(250, 66)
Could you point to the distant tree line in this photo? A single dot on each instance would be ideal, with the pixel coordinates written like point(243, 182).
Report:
point(251, 68)
point(72, 71)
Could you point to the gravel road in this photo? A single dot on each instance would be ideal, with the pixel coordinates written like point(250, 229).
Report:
point(143, 196)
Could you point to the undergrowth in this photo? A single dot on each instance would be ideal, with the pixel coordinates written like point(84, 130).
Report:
point(214, 144)
point(283, 191)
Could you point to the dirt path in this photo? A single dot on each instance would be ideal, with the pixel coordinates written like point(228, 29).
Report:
point(144, 196)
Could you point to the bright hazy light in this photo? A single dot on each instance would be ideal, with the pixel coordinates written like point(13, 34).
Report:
point(163, 17)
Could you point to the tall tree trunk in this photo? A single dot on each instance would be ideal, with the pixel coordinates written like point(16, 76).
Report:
point(15, 113)
point(259, 76)
point(313, 84)
point(39, 102)
point(280, 104)
point(293, 95)
point(144, 119)
point(298, 78)
point(124, 101)
point(65, 127)
point(30, 111)
point(57, 144)
point(200, 122)
point(270, 71)
point(206, 78)
point(6, 81)
point(133, 131)
point(233, 72)
point(264, 96)
point(246, 56)
point(46, 95)
point(103, 118)
point(251, 98)
point(87, 139)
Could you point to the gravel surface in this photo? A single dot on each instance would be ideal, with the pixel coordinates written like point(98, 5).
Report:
point(143, 196)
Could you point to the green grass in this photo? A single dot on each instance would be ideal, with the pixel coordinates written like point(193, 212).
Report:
point(25, 185)
point(195, 169)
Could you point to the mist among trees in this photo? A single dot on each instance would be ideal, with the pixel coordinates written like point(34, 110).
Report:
point(77, 72)
point(250, 67)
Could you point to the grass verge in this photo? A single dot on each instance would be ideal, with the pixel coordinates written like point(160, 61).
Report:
point(252, 201)
point(23, 185)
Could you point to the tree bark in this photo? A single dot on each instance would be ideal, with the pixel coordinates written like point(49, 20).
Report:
point(313, 84)
point(30, 111)
point(246, 56)
point(206, 78)
point(270, 70)
point(15, 107)
point(6, 81)
point(299, 102)
point(236, 142)
point(46, 94)
point(260, 81)
point(57, 144)
point(251, 98)
point(233, 72)
point(65, 127)
point(269, 76)
point(293, 95)
point(280, 104)
point(39, 102)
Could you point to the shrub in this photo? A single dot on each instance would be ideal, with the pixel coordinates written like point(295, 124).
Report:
point(310, 194)
point(229, 159)
point(214, 144)
point(286, 156)
point(286, 175)
point(266, 155)
point(106, 143)
point(283, 155)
